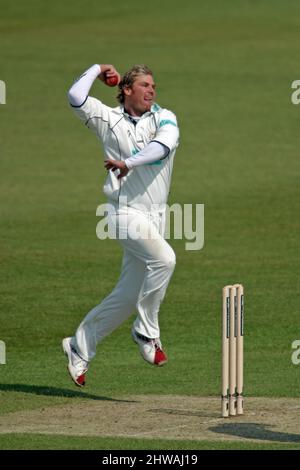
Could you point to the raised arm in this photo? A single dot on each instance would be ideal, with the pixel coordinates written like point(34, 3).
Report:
point(79, 91)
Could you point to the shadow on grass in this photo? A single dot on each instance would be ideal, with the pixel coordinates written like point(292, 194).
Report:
point(55, 392)
point(255, 431)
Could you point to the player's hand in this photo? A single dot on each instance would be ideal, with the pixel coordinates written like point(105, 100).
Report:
point(107, 71)
point(116, 165)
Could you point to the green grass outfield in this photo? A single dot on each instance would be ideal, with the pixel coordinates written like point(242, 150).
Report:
point(226, 69)
point(50, 442)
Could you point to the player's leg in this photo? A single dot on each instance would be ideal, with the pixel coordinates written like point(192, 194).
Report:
point(113, 310)
point(159, 263)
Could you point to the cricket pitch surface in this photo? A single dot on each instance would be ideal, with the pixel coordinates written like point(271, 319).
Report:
point(163, 417)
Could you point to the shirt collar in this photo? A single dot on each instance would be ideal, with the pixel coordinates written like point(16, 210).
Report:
point(122, 110)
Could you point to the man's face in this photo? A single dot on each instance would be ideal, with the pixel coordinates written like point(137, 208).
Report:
point(141, 95)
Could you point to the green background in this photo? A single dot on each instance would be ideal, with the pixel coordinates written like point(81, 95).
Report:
point(225, 69)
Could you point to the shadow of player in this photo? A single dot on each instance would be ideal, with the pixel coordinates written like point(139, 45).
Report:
point(55, 392)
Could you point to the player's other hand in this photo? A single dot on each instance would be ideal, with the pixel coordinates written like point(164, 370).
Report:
point(116, 165)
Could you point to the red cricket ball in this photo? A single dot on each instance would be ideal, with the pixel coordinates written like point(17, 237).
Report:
point(113, 81)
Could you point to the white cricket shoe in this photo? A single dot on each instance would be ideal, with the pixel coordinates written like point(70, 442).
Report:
point(150, 349)
point(77, 367)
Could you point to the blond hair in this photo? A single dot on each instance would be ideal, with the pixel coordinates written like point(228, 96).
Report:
point(129, 78)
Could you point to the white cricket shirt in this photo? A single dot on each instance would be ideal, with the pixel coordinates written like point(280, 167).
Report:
point(145, 185)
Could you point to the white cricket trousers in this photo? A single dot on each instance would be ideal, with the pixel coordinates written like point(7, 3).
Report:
point(148, 264)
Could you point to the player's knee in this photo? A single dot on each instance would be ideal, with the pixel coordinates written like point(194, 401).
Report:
point(169, 261)
point(172, 261)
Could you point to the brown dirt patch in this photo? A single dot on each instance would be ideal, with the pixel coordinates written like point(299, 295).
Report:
point(164, 417)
